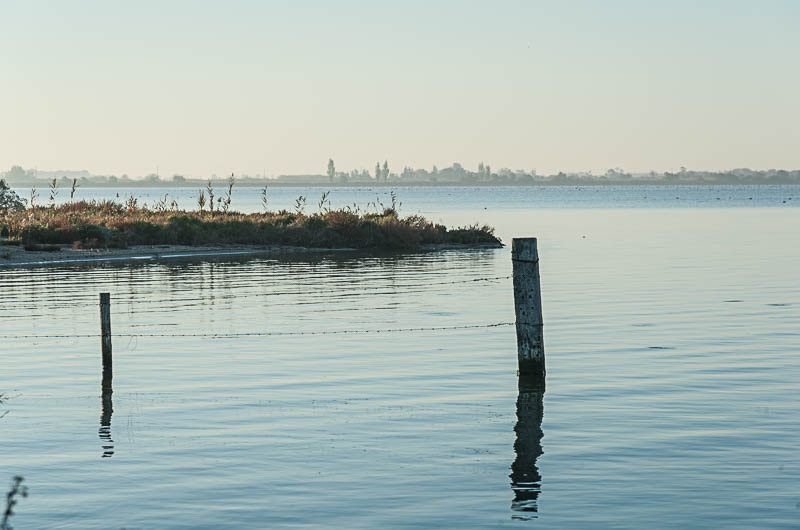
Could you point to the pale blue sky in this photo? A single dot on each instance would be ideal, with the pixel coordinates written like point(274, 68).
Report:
point(217, 87)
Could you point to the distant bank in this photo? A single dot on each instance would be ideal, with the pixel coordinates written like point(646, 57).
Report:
point(455, 175)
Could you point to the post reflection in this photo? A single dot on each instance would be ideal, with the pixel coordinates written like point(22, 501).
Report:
point(526, 482)
point(107, 408)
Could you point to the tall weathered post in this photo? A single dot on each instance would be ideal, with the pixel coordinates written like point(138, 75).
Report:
point(107, 406)
point(528, 306)
point(105, 332)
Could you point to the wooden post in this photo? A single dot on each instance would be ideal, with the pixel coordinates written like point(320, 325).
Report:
point(528, 306)
point(105, 332)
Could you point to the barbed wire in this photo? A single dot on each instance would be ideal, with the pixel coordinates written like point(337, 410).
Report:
point(263, 333)
point(470, 280)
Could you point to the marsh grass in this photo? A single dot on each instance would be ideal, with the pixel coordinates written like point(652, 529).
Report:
point(108, 224)
point(210, 190)
point(53, 192)
point(264, 198)
point(225, 202)
point(75, 186)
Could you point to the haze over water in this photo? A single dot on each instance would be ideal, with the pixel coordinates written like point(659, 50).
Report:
point(357, 391)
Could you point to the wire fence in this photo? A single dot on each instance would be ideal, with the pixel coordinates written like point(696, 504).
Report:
point(263, 333)
point(283, 333)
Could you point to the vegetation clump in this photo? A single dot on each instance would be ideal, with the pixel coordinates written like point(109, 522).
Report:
point(9, 200)
point(108, 224)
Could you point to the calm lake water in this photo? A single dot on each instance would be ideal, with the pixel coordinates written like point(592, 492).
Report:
point(379, 391)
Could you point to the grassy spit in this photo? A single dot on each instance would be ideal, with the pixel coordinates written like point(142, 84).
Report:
point(108, 224)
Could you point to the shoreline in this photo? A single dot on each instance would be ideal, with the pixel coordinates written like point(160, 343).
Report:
point(14, 256)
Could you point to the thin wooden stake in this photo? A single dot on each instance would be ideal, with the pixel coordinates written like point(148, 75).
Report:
point(528, 306)
point(105, 332)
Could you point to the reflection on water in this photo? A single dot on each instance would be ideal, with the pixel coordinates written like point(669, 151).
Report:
point(107, 408)
point(525, 478)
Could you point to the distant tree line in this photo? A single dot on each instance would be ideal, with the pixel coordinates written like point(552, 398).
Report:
point(454, 175)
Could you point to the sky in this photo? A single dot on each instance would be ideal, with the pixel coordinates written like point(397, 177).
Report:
point(278, 87)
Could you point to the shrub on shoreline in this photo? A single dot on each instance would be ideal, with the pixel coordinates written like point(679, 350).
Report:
point(9, 200)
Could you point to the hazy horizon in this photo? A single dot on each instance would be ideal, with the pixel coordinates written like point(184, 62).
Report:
point(196, 89)
point(48, 173)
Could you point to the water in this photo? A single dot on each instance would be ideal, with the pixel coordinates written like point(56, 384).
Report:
point(443, 200)
point(367, 391)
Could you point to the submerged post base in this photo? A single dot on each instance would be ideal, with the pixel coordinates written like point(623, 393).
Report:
point(531, 381)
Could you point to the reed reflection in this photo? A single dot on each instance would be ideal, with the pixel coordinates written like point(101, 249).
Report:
point(526, 482)
point(107, 408)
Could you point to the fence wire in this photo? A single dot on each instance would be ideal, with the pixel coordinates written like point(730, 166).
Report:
point(282, 333)
point(263, 333)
